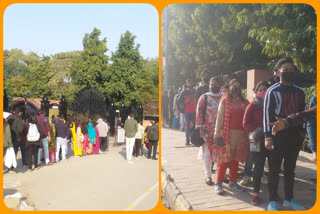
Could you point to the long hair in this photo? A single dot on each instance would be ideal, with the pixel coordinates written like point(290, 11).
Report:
point(260, 83)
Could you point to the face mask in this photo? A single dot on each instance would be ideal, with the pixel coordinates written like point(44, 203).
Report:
point(214, 89)
point(236, 91)
point(260, 95)
point(287, 76)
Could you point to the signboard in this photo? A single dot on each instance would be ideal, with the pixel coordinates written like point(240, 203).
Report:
point(120, 137)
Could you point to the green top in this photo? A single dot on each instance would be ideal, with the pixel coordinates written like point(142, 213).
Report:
point(131, 127)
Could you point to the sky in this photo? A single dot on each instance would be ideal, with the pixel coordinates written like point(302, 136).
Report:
point(47, 29)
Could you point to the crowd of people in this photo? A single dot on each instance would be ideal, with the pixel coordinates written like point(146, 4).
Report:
point(40, 138)
point(236, 130)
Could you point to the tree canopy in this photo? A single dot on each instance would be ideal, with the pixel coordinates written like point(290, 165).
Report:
point(126, 78)
point(225, 38)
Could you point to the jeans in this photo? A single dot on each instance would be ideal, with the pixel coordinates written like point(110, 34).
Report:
point(287, 144)
point(258, 159)
point(45, 147)
point(248, 164)
point(176, 123)
point(61, 143)
point(129, 147)
point(189, 117)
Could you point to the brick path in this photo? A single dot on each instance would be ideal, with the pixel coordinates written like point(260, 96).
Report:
point(187, 173)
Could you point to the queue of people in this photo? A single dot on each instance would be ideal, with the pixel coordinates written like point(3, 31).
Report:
point(235, 130)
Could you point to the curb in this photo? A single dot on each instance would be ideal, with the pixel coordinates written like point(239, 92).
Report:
point(172, 194)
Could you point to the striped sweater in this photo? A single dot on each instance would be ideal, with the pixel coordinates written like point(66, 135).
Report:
point(281, 101)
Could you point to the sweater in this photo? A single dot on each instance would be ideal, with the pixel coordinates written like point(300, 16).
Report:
point(131, 127)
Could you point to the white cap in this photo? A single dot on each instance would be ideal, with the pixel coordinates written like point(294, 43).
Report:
point(6, 115)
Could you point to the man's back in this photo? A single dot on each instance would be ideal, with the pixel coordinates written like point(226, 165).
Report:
point(131, 127)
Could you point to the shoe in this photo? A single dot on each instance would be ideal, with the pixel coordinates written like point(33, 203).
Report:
point(236, 186)
point(293, 204)
point(209, 182)
point(154, 158)
point(149, 157)
point(187, 144)
point(245, 180)
point(131, 162)
point(279, 199)
point(264, 179)
point(219, 189)
point(255, 200)
point(25, 165)
point(272, 206)
point(136, 158)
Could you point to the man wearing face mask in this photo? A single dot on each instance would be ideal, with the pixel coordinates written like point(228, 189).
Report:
point(206, 115)
point(283, 99)
point(187, 97)
point(204, 88)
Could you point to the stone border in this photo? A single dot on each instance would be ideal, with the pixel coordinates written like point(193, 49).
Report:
point(172, 194)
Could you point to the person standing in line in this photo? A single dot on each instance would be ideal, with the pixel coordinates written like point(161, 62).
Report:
point(312, 131)
point(96, 146)
point(16, 125)
point(130, 128)
point(153, 136)
point(187, 97)
point(138, 140)
point(91, 136)
point(7, 140)
point(176, 113)
point(62, 131)
point(52, 142)
point(76, 147)
point(103, 133)
point(204, 88)
point(33, 141)
point(45, 136)
point(206, 114)
point(230, 136)
point(281, 100)
point(253, 123)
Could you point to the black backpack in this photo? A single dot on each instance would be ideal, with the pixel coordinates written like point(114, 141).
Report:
point(153, 133)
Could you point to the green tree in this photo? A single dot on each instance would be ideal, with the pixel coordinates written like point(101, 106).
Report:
point(38, 77)
point(128, 81)
point(60, 81)
point(89, 68)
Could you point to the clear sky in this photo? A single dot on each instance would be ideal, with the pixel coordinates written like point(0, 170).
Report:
point(53, 28)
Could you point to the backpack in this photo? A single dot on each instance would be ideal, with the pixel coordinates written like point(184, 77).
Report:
point(153, 133)
point(33, 133)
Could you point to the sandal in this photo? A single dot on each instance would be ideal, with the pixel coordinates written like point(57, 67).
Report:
point(209, 182)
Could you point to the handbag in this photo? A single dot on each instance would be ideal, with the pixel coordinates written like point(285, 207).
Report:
point(10, 158)
point(195, 137)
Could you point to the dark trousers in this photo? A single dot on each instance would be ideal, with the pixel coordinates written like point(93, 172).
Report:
point(23, 152)
point(136, 148)
point(258, 159)
point(188, 118)
point(32, 150)
point(103, 143)
point(287, 145)
point(153, 145)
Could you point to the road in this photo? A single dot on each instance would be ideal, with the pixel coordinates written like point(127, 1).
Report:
point(95, 182)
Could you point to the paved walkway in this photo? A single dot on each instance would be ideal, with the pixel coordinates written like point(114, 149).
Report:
point(180, 162)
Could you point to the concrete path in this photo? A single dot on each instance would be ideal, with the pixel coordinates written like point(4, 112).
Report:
point(182, 167)
point(95, 182)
